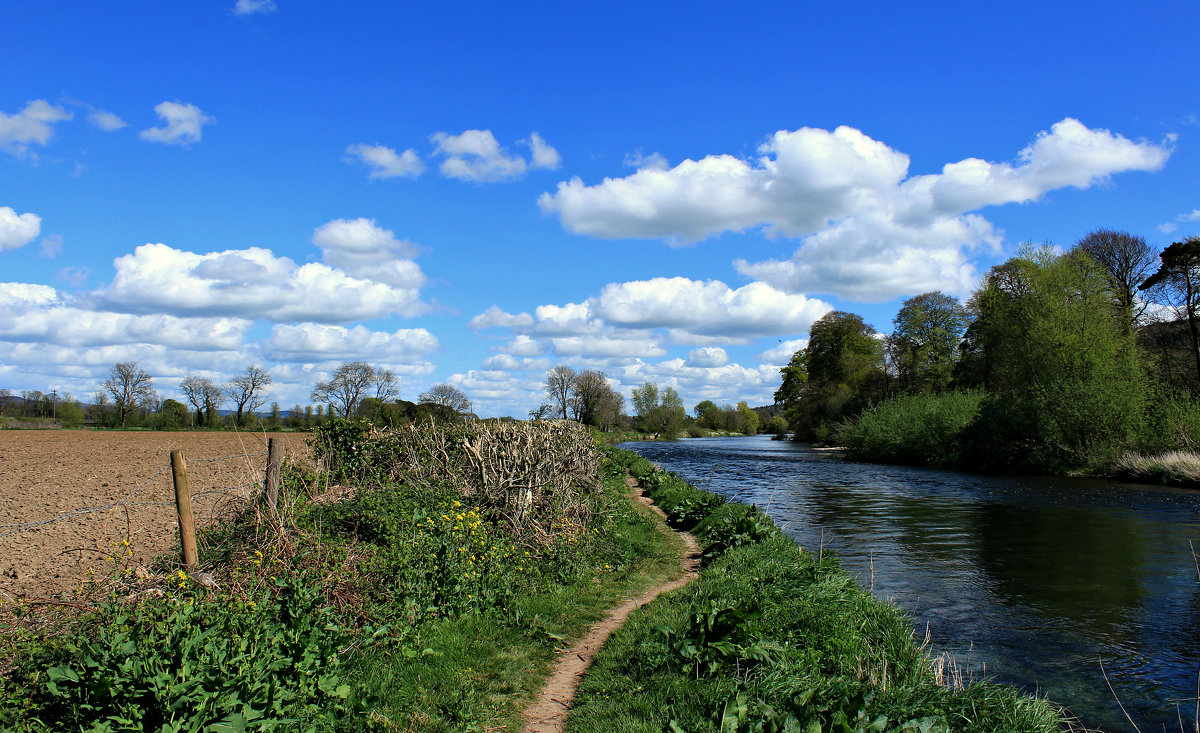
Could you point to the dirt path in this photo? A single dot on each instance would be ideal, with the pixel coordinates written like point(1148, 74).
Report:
point(548, 713)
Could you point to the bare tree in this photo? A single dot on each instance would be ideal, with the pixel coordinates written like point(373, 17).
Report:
point(6, 398)
point(386, 384)
point(447, 395)
point(247, 390)
point(594, 401)
point(203, 393)
point(129, 385)
point(1126, 260)
point(560, 382)
point(346, 388)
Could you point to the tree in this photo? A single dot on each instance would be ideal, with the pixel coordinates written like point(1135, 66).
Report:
point(1126, 260)
point(699, 410)
point(387, 386)
point(662, 412)
point(924, 342)
point(247, 390)
point(560, 384)
point(70, 412)
point(205, 396)
point(1177, 281)
point(448, 396)
point(593, 400)
point(749, 418)
point(1061, 367)
point(349, 384)
point(171, 415)
point(645, 399)
point(130, 386)
point(6, 400)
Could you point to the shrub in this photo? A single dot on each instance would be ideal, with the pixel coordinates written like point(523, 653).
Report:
point(915, 429)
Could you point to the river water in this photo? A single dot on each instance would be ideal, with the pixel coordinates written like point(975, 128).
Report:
point(1032, 581)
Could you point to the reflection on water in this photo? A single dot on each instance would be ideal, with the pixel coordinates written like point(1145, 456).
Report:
point(1030, 580)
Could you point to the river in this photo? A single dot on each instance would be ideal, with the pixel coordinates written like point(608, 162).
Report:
point(1031, 581)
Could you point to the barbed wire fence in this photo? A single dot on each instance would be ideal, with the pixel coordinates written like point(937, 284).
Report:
point(59, 552)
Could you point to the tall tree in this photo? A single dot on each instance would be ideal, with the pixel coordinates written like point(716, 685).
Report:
point(387, 386)
point(645, 399)
point(925, 339)
point(1126, 260)
point(350, 382)
point(247, 390)
point(593, 399)
point(130, 386)
point(560, 384)
point(1177, 282)
point(204, 394)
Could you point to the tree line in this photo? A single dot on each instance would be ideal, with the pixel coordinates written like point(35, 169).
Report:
point(1057, 361)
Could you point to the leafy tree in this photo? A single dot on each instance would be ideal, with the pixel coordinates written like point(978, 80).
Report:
point(247, 390)
point(70, 412)
point(645, 399)
point(350, 382)
point(129, 386)
point(1062, 369)
point(749, 418)
point(1126, 260)
point(924, 341)
point(662, 412)
point(1177, 282)
point(593, 400)
point(702, 408)
point(171, 415)
point(448, 396)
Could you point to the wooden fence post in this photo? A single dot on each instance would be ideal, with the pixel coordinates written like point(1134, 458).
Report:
point(183, 507)
point(271, 485)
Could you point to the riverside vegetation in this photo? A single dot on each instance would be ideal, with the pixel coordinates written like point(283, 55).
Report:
point(425, 580)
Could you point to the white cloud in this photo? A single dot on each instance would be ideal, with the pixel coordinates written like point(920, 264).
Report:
point(385, 162)
point(1167, 228)
point(1171, 226)
point(780, 355)
point(653, 161)
point(513, 364)
point(851, 200)
point(365, 250)
point(608, 346)
point(251, 7)
point(707, 307)
point(1194, 215)
point(249, 283)
point(523, 345)
point(316, 342)
point(726, 384)
point(106, 121)
point(495, 317)
point(476, 155)
point(182, 124)
point(32, 125)
point(17, 230)
point(566, 320)
point(709, 356)
point(541, 154)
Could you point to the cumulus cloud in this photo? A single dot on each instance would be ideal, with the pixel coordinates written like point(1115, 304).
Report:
point(523, 345)
point(33, 125)
point(726, 384)
point(17, 230)
point(782, 354)
point(385, 162)
point(365, 250)
point(316, 342)
point(106, 121)
point(182, 124)
point(252, 7)
point(250, 283)
point(850, 199)
point(514, 364)
point(495, 317)
point(1170, 226)
point(608, 346)
point(476, 155)
point(709, 356)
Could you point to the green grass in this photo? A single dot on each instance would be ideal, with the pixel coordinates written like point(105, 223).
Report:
point(773, 638)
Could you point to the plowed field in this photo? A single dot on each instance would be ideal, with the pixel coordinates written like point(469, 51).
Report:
point(63, 478)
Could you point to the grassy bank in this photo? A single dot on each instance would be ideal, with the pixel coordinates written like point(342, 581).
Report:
point(774, 638)
point(423, 581)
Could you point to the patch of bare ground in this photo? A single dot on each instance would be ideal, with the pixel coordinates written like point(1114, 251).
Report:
point(70, 498)
point(548, 712)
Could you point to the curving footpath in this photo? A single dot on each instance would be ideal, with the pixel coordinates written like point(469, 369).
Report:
point(548, 712)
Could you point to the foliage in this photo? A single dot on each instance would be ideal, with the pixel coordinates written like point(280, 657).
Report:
point(1177, 282)
point(923, 346)
point(660, 412)
point(749, 418)
point(916, 429)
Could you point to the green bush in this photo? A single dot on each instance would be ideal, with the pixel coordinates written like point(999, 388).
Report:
point(914, 429)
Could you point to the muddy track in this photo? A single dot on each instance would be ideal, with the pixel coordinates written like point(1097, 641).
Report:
point(549, 711)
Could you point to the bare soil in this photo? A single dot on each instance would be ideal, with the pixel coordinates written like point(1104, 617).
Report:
point(92, 490)
point(548, 713)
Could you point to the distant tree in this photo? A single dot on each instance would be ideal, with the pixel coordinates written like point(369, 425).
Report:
point(713, 417)
point(544, 411)
point(129, 386)
point(778, 425)
point(924, 342)
point(645, 399)
point(660, 412)
point(448, 396)
point(699, 410)
point(1126, 260)
point(387, 386)
point(308, 416)
point(350, 382)
point(204, 394)
point(247, 390)
point(6, 400)
point(1177, 282)
point(295, 416)
point(101, 411)
point(70, 412)
point(749, 418)
point(276, 419)
point(560, 386)
point(593, 400)
point(171, 415)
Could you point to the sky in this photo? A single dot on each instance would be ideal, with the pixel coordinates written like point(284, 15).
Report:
point(473, 193)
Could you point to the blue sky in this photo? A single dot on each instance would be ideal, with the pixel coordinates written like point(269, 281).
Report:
point(473, 194)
